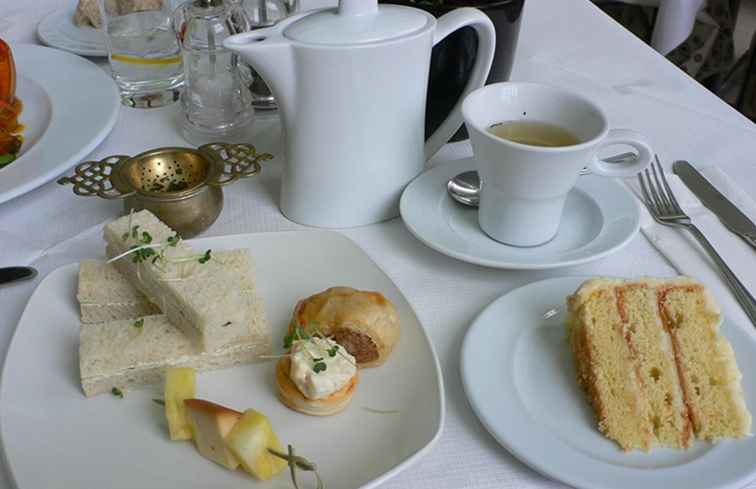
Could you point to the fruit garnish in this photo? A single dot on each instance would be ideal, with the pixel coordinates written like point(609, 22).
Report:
point(179, 385)
point(250, 441)
point(211, 423)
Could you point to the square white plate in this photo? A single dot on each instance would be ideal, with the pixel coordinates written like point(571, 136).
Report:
point(54, 437)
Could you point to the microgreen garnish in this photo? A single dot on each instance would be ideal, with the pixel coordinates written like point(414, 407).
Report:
point(300, 333)
point(141, 253)
point(139, 323)
point(380, 411)
point(145, 248)
point(117, 392)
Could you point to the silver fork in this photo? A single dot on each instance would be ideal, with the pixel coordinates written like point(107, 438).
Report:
point(663, 206)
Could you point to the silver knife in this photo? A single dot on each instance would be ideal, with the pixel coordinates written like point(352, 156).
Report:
point(10, 275)
point(731, 216)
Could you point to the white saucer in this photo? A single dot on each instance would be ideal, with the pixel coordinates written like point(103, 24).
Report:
point(600, 217)
point(58, 30)
point(518, 375)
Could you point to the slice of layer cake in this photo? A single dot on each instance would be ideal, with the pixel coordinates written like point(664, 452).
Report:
point(652, 363)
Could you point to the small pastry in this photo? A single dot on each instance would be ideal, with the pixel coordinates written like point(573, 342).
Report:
point(365, 323)
point(317, 378)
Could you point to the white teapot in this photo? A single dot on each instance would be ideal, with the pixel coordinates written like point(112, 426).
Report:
point(351, 85)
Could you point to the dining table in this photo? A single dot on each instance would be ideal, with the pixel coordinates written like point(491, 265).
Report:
point(569, 44)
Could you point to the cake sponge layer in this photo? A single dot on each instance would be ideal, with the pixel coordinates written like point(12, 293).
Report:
point(651, 360)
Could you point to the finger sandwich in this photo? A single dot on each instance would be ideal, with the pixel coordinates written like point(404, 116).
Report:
point(134, 351)
point(193, 290)
point(106, 295)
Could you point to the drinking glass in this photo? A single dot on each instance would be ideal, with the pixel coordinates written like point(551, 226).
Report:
point(143, 51)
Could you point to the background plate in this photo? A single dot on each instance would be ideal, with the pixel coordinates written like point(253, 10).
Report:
point(518, 374)
point(58, 30)
point(55, 438)
point(70, 106)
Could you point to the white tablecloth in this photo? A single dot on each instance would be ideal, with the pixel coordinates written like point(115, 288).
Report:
point(567, 43)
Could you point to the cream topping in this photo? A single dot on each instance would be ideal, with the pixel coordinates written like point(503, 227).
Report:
point(339, 367)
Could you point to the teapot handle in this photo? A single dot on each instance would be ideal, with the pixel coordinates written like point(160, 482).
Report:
point(484, 28)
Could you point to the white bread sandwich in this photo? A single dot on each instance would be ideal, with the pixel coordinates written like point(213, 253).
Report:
point(129, 353)
point(106, 295)
point(195, 291)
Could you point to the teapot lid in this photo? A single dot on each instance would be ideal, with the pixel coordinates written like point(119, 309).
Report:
point(357, 22)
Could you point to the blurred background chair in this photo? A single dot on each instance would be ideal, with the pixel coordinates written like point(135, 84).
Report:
point(674, 21)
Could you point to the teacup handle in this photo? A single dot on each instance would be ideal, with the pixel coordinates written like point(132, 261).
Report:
point(627, 168)
point(484, 28)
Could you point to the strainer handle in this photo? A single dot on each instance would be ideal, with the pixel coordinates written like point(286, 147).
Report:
point(93, 178)
point(236, 160)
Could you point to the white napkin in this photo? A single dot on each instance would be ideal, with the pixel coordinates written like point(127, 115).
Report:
point(685, 254)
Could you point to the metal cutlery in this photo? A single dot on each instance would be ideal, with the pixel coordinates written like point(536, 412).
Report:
point(9, 275)
point(731, 216)
point(664, 208)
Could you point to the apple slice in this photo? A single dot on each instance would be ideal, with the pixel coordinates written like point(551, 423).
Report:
point(211, 424)
point(249, 441)
point(179, 385)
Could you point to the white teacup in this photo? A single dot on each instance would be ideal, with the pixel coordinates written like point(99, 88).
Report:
point(524, 187)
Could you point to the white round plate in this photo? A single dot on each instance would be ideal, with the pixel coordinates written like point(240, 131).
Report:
point(57, 30)
point(70, 106)
point(518, 374)
point(600, 217)
point(55, 438)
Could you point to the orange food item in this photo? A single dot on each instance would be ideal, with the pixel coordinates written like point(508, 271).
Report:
point(10, 105)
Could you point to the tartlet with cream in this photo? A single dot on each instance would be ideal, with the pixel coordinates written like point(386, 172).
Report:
point(318, 377)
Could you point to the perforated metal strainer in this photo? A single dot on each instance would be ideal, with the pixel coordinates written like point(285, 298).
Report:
point(181, 186)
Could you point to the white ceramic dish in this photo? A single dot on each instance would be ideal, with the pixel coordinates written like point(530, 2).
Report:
point(58, 30)
point(70, 106)
point(56, 438)
point(518, 374)
point(600, 217)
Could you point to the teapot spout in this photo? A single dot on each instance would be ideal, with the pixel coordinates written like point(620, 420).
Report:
point(271, 55)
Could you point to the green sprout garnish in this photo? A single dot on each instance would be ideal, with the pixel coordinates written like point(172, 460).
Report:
point(139, 323)
point(145, 249)
point(320, 366)
point(205, 258)
point(332, 351)
point(117, 392)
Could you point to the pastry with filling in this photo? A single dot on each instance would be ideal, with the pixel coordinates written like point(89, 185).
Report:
point(318, 377)
point(653, 364)
point(365, 323)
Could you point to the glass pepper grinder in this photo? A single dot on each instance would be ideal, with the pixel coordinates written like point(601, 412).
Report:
point(217, 103)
